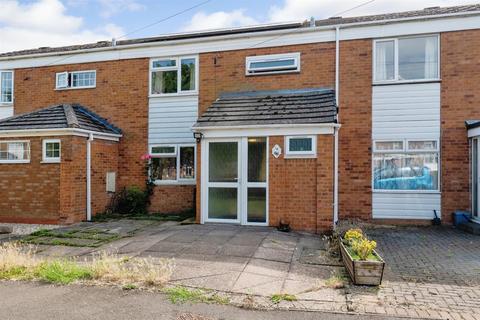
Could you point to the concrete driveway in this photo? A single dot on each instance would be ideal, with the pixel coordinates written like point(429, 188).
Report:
point(246, 260)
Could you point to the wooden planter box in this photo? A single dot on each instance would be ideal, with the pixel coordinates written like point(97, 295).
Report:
point(368, 273)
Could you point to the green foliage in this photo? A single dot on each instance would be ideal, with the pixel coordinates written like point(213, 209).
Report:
point(131, 200)
point(62, 272)
point(129, 286)
point(181, 295)
point(277, 298)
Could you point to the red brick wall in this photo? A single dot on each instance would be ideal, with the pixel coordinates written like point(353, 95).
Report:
point(301, 190)
point(228, 73)
point(121, 96)
point(30, 191)
point(73, 177)
point(172, 198)
point(460, 101)
point(355, 157)
point(104, 159)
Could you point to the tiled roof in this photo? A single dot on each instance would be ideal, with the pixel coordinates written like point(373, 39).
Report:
point(427, 13)
point(470, 124)
point(306, 106)
point(60, 116)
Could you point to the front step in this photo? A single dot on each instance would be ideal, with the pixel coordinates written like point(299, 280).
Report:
point(470, 227)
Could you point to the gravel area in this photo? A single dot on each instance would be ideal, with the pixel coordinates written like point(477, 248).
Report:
point(24, 229)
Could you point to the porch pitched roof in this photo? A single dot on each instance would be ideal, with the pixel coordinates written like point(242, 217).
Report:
point(61, 116)
point(306, 106)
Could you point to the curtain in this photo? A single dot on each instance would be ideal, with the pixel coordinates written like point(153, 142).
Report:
point(431, 58)
point(381, 61)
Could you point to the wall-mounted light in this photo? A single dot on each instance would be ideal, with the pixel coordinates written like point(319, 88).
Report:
point(198, 136)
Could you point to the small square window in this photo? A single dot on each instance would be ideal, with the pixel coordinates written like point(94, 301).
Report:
point(51, 151)
point(300, 146)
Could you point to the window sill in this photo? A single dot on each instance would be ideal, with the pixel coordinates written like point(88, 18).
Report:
point(15, 162)
point(50, 161)
point(171, 95)
point(77, 88)
point(408, 191)
point(175, 183)
point(387, 83)
point(268, 73)
point(6, 104)
point(300, 156)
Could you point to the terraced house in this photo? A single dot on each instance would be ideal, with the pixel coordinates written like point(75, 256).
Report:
point(372, 117)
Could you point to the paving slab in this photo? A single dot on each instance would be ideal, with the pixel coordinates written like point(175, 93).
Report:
point(268, 268)
point(273, 254)
point(250, 283)
point(237, 251)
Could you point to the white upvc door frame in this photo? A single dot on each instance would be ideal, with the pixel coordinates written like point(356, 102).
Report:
point(475, 159)
point(242, 183)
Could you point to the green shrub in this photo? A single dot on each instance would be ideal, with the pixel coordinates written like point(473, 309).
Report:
point(131, 200)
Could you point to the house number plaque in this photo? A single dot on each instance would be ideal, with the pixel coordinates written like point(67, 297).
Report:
point(276, 151)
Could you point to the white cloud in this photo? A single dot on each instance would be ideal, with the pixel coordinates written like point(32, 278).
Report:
point(45, 23)
point(303, 9)
point(112, 7)
point(298, 10)
point(219, 19)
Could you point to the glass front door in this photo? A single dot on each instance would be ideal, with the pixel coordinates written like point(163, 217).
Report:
point(223, 181)
point(235, 185)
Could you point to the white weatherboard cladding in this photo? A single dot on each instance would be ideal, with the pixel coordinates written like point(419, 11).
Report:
point(171, 119)
point(6, 111)
point(406, 111)
point(405, 205)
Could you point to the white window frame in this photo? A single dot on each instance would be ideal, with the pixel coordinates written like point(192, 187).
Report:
point(405, 150)
point(18, 161)
point(272, 57)
point(178, 180)
point(301, 154)
point(13, 88)
point(46, 159)
point(178, 68)
point(69, 85)
point(396, 68)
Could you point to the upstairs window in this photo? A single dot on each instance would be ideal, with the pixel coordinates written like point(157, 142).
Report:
point(14, 151)
point(406, 59)
point(76, 80)
point(274, 63)
point(6, 87)
point(173, 76)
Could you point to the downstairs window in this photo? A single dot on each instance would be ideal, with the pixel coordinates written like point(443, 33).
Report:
point(406, 165)
point(173, 163)
point(14, 151)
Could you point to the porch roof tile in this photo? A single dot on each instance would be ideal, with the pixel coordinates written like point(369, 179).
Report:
point(305, 106)
point(60, 116)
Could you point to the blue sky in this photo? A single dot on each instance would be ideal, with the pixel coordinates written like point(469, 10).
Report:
point(33, 23)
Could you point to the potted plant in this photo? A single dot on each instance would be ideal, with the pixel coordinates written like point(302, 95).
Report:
point(363, 263)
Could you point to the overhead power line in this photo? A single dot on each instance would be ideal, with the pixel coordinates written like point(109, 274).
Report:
point(140, 29)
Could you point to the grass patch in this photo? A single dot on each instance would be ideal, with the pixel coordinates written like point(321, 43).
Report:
point(336, 282)
point(129, 286)
point(277, 298)
point(73, 238)
point(181, 294)
point(20, 263)
point(62, 272)
point(149, 217)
